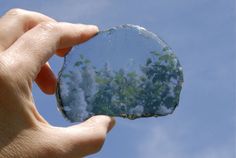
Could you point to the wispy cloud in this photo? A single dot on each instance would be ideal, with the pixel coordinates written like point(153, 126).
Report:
point(164, 143)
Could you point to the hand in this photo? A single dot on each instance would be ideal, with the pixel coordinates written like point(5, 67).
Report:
point(27, 40)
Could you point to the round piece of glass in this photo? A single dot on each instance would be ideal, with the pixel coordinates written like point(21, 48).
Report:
point(125, 71)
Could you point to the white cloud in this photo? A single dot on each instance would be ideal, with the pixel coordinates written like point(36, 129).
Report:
point(164, 143)
point(159, 144)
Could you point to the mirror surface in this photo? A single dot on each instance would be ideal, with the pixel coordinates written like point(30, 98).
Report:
point(125, 71)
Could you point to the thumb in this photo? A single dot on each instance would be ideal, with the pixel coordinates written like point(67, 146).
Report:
point(88, 137)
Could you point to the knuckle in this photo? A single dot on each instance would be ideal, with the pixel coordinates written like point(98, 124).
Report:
point(48, 26)
point(16, 12)
point(6, 80)
point(4, 70)
point(20, 15)
point(13, 82)
point(9, 74)
point(50, 151)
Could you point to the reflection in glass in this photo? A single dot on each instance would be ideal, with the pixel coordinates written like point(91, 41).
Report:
point(125, 71)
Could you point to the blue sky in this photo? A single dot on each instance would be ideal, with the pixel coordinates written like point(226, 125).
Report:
point(202, 33)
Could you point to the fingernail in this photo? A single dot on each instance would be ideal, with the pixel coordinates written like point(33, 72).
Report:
point(111, 124)
point(94, 27)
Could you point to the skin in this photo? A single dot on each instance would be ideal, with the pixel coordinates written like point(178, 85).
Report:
point(27, 41)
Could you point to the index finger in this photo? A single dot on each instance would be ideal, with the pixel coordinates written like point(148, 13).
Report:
point(35, 47)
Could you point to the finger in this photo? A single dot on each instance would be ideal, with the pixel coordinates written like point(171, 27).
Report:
point(88, 137)
point(17, 21)
point(46, 79)
point(106, 122)
point(63, 52)
point(36, 46)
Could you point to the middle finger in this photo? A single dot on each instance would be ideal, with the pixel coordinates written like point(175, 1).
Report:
point(15, 23)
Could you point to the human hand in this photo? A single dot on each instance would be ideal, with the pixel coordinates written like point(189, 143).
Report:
point(27, 41)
